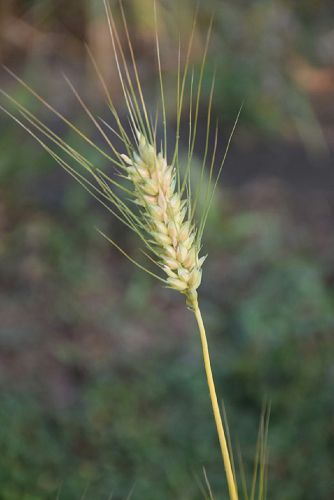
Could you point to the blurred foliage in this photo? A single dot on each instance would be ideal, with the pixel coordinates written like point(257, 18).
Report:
point(257, 50)
point(101, 381)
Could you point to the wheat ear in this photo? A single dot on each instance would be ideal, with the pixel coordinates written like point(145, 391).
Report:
point(166, 218)
point(165, 223)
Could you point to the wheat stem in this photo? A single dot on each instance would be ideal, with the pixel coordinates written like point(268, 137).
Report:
point(215, 407)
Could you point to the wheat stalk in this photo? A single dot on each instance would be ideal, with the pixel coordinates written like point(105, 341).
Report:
point(166, 220)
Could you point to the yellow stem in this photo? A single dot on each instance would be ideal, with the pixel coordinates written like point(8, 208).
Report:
point(215, 407)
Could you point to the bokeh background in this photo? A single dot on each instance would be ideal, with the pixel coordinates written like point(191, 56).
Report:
point(101, 378)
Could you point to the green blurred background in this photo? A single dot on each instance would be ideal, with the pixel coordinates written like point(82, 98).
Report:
point(101, 379)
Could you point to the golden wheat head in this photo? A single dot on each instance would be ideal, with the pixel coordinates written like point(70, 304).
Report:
point(153, 196)
point(165, 216)
point(150, 194)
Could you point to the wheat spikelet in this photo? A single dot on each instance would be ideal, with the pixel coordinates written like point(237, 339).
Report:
point(166, 217)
